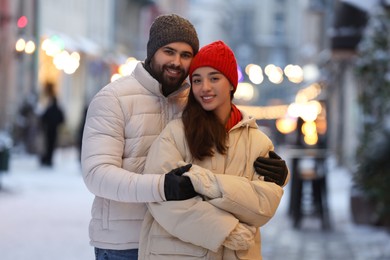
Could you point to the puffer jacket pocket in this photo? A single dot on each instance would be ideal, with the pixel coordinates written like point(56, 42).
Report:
point(100, 211)
point(175, 247)
point(162, 245)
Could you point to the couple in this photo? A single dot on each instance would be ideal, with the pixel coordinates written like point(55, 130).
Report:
point(178, 172)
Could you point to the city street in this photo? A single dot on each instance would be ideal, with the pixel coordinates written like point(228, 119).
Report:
point(45, 214)
point(314, 74)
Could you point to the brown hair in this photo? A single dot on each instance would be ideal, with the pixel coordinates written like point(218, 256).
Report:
point(203, 130)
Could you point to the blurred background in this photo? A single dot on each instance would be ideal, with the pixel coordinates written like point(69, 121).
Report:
point(314, 73)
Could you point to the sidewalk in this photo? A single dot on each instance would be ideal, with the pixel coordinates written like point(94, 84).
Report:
point(45, 215)
point(44, 212)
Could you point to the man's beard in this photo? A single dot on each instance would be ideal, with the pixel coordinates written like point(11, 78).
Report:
point(169, 84)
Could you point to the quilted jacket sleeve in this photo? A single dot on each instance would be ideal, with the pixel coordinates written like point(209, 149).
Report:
point(102, 155)
point(252, 202)
point(194, 221)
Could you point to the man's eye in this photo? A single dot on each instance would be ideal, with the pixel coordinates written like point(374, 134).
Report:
point(186, 56)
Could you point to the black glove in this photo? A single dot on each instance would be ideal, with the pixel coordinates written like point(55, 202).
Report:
point(274, 169)
point(178, 187)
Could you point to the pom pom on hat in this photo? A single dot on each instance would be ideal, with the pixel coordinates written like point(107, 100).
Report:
point(170, 28)
point(218, 56)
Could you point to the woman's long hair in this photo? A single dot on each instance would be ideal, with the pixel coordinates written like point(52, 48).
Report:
point(203, 130)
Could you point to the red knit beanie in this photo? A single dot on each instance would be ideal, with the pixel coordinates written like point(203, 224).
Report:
point(218, 56)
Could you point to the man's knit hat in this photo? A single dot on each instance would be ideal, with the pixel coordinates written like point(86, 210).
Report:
point(218, 56)
point(170, 28)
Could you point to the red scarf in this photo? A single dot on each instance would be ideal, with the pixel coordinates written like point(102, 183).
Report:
point(235, 117)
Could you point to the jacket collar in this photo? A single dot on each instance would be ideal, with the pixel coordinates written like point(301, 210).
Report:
point(246, 121)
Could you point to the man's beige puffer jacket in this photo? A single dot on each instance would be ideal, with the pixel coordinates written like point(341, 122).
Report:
point(123, 120)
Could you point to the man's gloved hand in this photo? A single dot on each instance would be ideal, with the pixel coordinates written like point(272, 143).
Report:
point(178, 187)
point(241, 238)
point(274, 169)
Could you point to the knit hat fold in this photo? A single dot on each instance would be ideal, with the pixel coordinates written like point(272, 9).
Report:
point(218, 56)
point(170, 28)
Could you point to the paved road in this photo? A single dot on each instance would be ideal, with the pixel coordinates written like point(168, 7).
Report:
point(45, 213)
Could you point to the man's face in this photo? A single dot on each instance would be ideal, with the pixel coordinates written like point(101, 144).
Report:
point(170, 65)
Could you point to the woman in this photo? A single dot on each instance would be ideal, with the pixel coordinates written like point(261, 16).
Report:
point(221, 143)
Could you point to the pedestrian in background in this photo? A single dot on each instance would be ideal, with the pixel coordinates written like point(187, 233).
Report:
point(51, 119)
point(122, 121)
point(222, 143)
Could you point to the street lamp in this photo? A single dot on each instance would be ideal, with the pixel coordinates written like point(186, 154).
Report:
point(23, 46)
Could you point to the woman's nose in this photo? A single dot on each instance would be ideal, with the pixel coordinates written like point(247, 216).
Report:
point(206, 85)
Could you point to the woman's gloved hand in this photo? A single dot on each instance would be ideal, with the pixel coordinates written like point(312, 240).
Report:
point(204, 181)
point(241, 238)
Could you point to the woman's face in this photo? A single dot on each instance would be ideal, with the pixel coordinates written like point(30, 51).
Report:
point(212, 90)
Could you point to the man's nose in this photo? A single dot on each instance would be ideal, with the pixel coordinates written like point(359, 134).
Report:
point(177, 60)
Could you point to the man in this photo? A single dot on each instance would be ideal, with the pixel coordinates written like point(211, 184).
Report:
point(123, 120)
